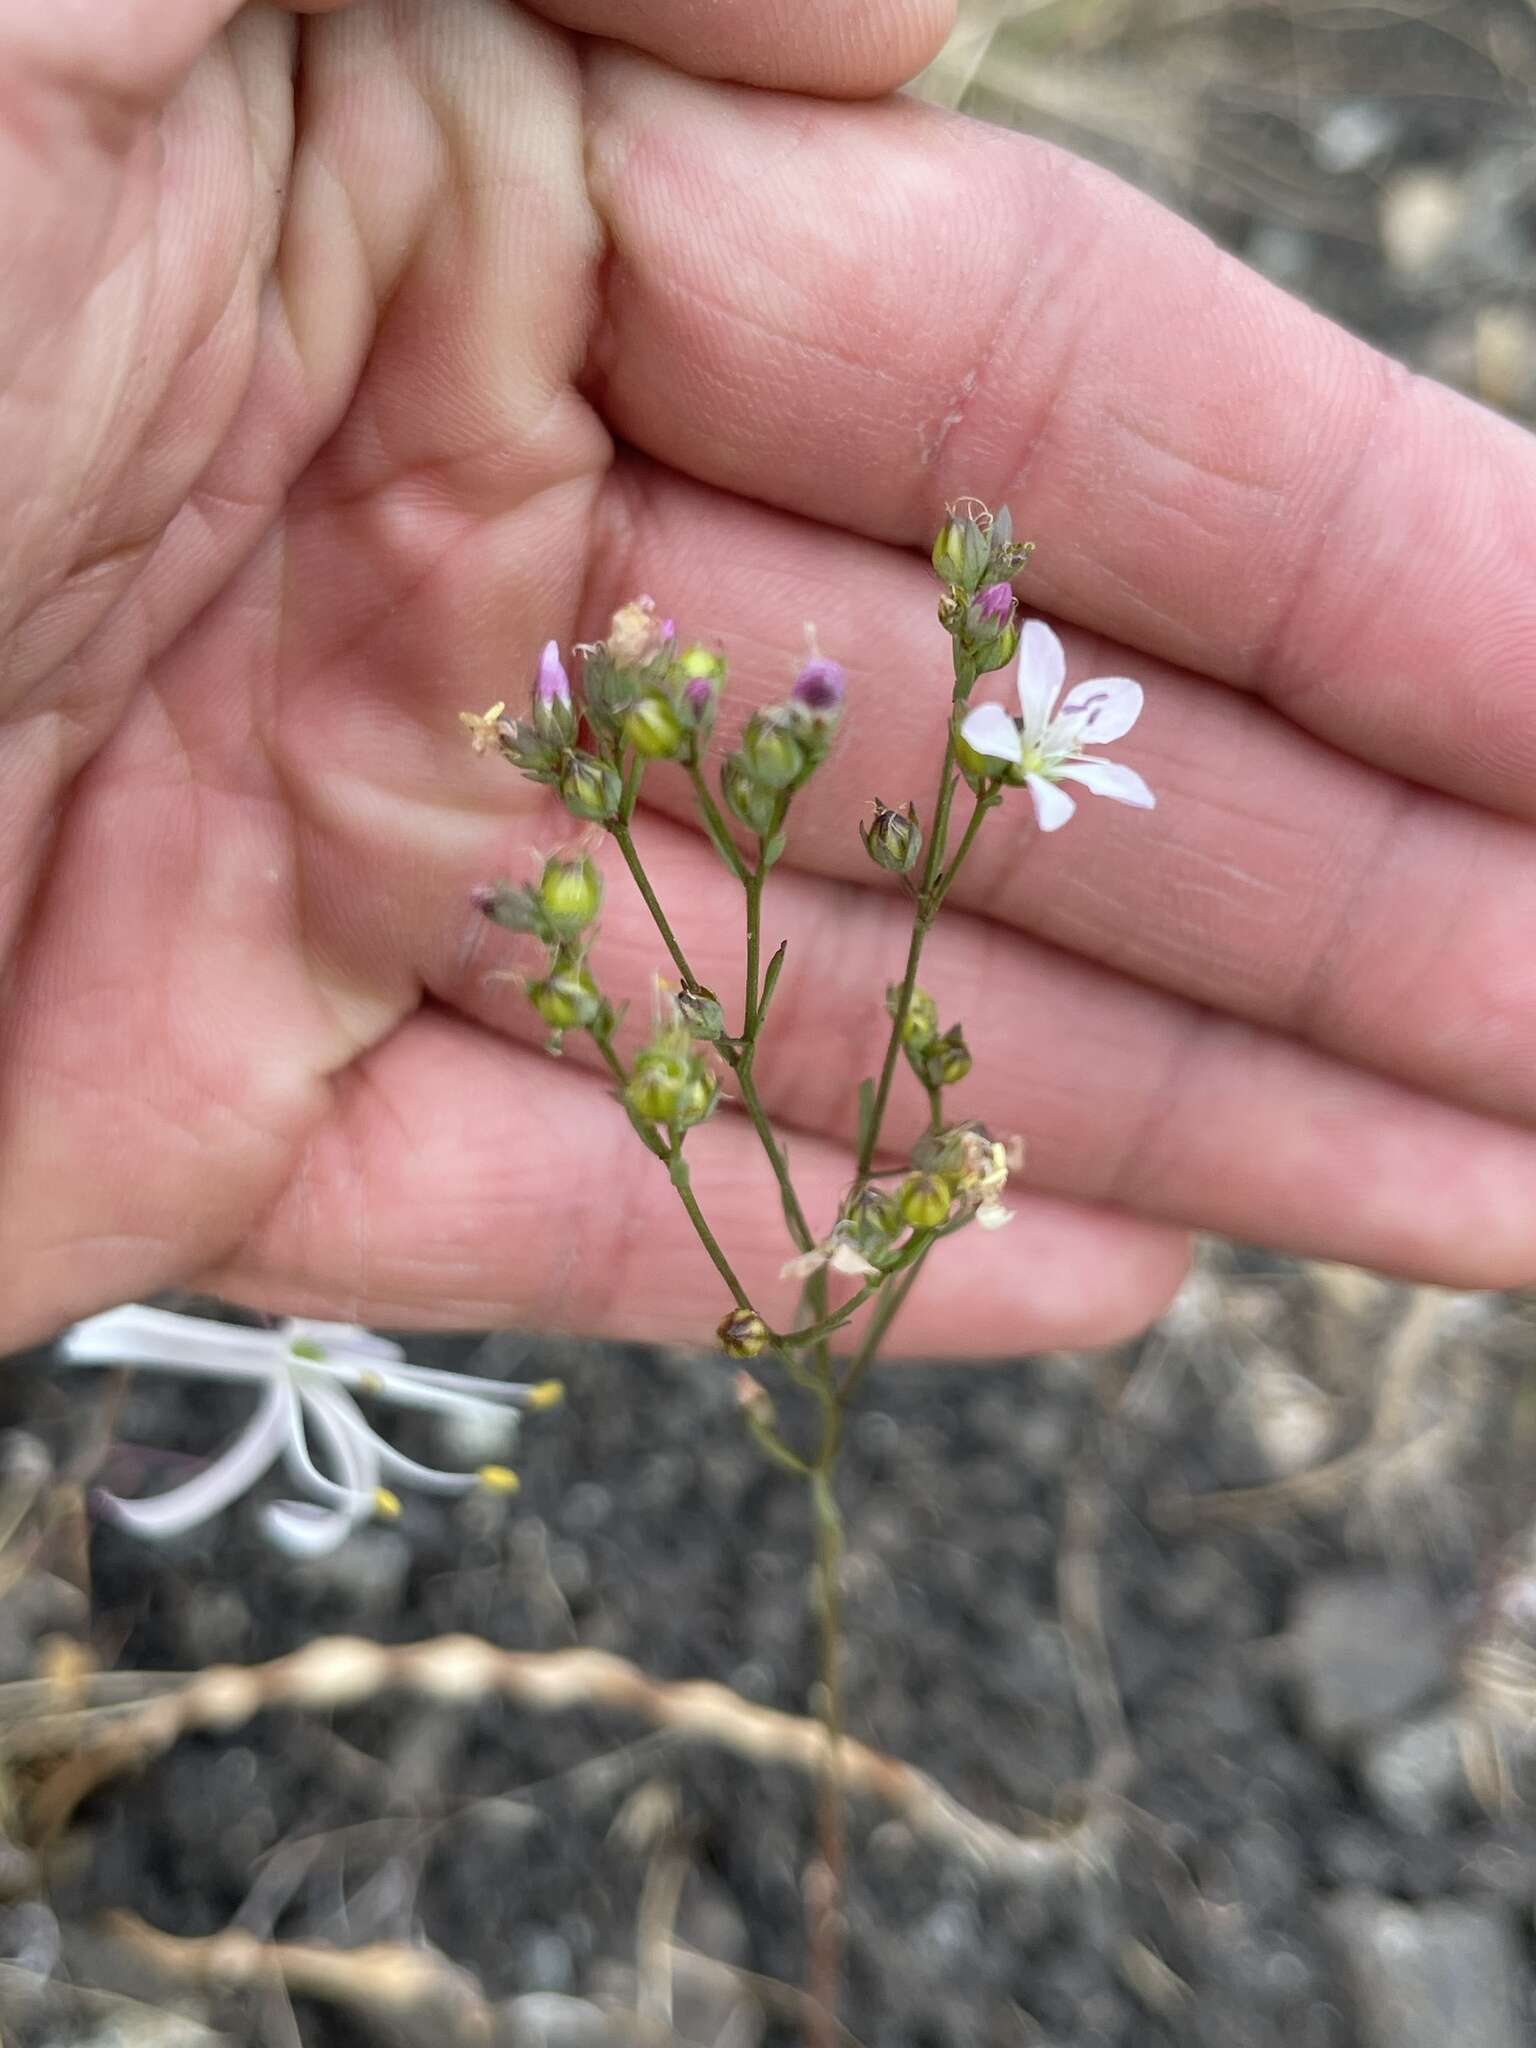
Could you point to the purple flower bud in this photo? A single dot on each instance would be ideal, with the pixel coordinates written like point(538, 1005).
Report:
point(668, 629)
point(554, 685)
point(698, 696)
point(995, 602)
point(554, 714)
point(820, 686)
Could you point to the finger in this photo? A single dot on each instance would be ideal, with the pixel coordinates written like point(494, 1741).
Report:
point(1212, 472)
point(123, 55)
point(463, 1182)
point(844, 48)
point(1123, 1095)
point(1278, 879)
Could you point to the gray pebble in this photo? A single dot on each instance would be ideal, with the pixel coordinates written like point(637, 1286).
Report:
point(1364, 1649)
point(1428, 1976)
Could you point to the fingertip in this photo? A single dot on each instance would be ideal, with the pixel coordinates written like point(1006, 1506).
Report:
point(840, 49)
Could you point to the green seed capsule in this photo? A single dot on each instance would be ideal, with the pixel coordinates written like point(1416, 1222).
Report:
point(924, 1200)
point(654, 729)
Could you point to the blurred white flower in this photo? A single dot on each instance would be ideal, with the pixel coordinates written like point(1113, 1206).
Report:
point(1044, 745)
point(308, 1374)
point(837, 1254)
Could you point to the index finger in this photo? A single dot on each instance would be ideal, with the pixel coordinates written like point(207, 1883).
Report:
point(860, 315)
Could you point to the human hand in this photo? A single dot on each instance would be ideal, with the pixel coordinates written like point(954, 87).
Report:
point(310, 354)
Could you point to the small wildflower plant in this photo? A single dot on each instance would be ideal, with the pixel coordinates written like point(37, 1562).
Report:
point(645, 702)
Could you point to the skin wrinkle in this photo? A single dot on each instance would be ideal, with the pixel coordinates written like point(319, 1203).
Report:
point(1068, 349)
point(1267, 669)
point(1316, 986)
point(1134, 1164)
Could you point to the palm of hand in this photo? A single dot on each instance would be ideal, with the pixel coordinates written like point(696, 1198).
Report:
point(307, 399)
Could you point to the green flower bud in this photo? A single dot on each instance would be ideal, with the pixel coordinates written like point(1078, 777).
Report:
point(924, 1200)
point(921, 1023)
point(657, 1085)
point(743, 1334)
point(589, 788)
point(514, 909)
point(654, 729)
point(700, 1093)
point(771, 751)
point(961, 552)
point(570, 894)
point(874, 1216)
point(698, 678)
point(1006, 556)
point(701, 1014)
point(996, 653)
point(756, 805)
point(945, 1060)
point(894, 840)
point(567, 998)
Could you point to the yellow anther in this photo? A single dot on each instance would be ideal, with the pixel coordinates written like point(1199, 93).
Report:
point(547, 1394)
point(386, 1504)
point(498, 1478)
point(369, 1382)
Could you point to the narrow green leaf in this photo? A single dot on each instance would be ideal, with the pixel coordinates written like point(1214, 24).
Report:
point(771, 981)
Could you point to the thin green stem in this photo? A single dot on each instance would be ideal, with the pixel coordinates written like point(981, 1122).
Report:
point(891, 1302)
point(832, 1828)
point(984, 803)
point(677, 1167)
point(636, 866)
point(749, 1015)
point(719, 830)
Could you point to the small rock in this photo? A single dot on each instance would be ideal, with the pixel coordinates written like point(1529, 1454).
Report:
point(1414, 1775)
point(1353, 134)
point(1429, 1976)
point(1422, 212)
point(1365, 1649)
point(548, 2019)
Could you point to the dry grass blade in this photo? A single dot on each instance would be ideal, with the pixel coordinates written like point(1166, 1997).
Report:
point(343, 1671)
point(385, 1977)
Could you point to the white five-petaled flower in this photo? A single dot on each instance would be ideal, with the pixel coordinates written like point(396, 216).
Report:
point(308, 1374)
point(1044, 745)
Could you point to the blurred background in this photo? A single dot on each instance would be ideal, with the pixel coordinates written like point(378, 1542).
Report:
point(1219, 1651)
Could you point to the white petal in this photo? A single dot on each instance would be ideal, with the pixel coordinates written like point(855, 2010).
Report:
point(383, 1456)
point(803, 1267)
point(158, 1337)
point(1042, 671)
point(1102, 709)
point(992, 732)
point(992, 1216)
point(845, 1259)
point(298, 1527)
point(223, 1481)
point(1053, 806)
point(304, 1531)
point(1111, 779)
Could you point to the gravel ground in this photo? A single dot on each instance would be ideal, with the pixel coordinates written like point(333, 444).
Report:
point(1267, 1746)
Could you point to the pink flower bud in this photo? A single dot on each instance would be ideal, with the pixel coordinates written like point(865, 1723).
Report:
point(995, 602)
point(820, 686)
point(554, 685)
